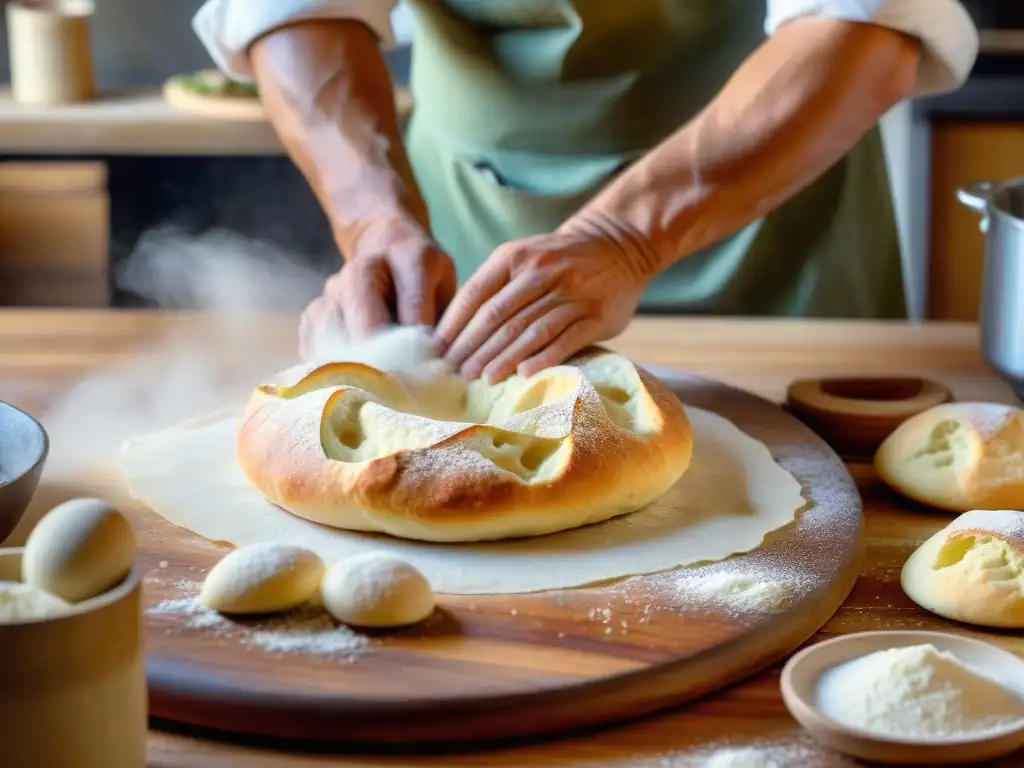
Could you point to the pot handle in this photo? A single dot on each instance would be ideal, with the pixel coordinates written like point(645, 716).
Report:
point(976, 196)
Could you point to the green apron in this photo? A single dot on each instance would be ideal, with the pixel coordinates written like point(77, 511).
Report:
point(525, 108)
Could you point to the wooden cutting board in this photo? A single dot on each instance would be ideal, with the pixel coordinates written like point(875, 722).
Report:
point(488, 667)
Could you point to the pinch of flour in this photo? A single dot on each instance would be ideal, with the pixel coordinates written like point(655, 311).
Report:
point(306, 629)
point(795, 750)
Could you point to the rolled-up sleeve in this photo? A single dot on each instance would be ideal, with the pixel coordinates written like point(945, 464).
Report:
point(949, 39)
point(228, 27)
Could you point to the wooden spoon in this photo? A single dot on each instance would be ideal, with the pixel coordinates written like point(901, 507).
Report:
point(800, 678)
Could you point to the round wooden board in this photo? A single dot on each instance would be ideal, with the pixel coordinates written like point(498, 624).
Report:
point(487, 667)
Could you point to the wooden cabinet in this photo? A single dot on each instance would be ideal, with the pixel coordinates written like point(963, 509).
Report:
point(963, 152)
point(54, 234)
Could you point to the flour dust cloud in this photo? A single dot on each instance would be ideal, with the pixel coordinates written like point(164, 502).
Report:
point(183, 372)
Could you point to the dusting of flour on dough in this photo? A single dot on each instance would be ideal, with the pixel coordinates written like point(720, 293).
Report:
point(307, 629)
point(1008, 523)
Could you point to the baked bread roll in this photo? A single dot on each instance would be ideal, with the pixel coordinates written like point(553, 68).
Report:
point(958, 456)
point(349, 446)
point(971, 570)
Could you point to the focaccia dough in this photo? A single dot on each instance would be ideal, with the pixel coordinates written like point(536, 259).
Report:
point(972, 570)
point(350, 446)
point(959, 456)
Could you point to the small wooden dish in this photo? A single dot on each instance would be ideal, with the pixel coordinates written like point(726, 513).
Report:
point(854, 416)
point(800, 678)
point(74, 686)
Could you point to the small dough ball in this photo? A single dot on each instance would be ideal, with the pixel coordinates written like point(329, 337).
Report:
point(262, 578)
point(958, 457)
point(80, 549)
point(376, 590)
point(23, 602)
point(972, 570)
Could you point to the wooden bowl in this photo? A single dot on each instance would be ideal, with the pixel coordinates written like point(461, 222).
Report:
point(24, 446)
point(74, 686)
point(854, 416)
point(801, 673)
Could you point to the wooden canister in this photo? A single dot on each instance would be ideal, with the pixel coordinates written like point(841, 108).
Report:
point(73, 688)
point(51, 58)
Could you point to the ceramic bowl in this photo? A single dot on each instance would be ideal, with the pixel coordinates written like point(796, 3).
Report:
point(24, 446)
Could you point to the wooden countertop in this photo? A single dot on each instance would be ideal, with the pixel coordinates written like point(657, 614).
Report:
point(42, 353)
point(133, 122)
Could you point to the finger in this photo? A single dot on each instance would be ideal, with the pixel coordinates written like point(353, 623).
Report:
point(321, 321)
point(536, 338)
point(366, 294)
point(577, 336)
point(514, 296)
point(487, 281)
point(507, 334)
point(414, 295)
point(445, 290)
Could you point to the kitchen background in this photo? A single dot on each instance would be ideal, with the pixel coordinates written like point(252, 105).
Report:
point(81, 184)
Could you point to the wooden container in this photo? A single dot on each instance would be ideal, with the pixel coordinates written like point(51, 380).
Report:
point(51, 58)
point(73, 688)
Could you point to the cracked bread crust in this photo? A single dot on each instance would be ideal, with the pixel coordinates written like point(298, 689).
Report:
point(351, 447)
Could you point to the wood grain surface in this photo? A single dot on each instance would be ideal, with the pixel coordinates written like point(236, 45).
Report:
point(486, 667)
point(42, 353)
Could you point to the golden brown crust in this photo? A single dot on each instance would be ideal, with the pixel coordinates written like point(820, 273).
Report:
point(466, 481)
point(958, 457)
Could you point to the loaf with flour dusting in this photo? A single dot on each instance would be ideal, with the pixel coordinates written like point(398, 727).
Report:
point(972, 570)
point(958, 457)
point(349, 446)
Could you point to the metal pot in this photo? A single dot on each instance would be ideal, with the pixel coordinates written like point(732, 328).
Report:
point(1002, 293)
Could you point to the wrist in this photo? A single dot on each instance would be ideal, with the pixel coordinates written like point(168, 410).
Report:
point(631, 244)
point(382, 232)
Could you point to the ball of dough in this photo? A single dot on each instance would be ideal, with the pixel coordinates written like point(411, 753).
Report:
point(262, 578)
point(376, 590)
point(80, 549)
point(23, 602)
point(958, 456)
point(972, 570)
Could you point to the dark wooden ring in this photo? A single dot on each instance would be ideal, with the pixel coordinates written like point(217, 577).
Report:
point(855, 415)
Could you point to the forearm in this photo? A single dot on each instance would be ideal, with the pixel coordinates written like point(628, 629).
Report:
point(327, 91)
point(794, 108)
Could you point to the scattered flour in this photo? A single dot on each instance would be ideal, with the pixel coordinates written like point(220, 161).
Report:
point(790, 749)
point(306, 629)
point(915, 692)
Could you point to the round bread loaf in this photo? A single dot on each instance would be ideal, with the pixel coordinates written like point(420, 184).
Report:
point(958, 456)
point(972, 570)
point(349, 446)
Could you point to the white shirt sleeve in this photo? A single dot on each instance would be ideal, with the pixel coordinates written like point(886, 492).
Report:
point(949, 39)
point(228, 27)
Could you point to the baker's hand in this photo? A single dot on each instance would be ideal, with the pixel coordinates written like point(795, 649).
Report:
point(395, 273)
point(539, 300)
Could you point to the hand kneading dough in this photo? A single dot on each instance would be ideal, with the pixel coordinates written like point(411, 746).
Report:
point(376, 590)
point(349, 446)
point(262, 578)
point(23, 602)
point(80, 549)
point(972, 570)
point(958, 457)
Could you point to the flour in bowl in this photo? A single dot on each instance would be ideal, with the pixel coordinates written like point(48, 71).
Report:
point(916, 692)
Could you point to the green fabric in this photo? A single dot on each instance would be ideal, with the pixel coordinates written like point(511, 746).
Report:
point(557, 96)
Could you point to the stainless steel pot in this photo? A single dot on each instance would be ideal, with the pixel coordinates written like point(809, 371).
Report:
point(1002, 294)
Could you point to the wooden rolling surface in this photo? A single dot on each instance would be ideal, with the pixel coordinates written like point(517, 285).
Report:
point(487, 667)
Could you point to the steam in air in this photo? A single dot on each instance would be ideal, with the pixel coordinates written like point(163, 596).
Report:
point(251, 294)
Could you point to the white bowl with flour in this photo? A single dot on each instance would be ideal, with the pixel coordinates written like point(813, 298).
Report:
point(924, 698)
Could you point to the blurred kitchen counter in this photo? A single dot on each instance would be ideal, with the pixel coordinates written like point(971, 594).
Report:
point(134, 122)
